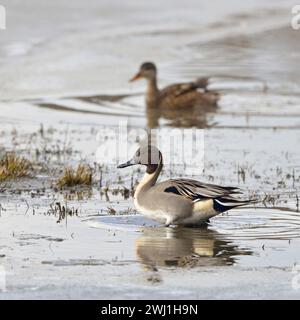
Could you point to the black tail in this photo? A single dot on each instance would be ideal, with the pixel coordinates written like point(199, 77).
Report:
point(223, 204)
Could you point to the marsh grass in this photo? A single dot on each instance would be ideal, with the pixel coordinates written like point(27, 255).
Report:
point(83, 175)
point(62, 211)
point(13, 167)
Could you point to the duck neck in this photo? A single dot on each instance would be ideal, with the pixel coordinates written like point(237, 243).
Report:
point(150, 177)
point(152, 92)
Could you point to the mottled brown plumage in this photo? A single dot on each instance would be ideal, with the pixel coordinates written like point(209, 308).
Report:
point(181, 95)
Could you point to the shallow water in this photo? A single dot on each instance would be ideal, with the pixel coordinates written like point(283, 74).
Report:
point(250, 141)
point(259, 235)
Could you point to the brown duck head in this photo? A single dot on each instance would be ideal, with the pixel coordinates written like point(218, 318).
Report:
point(147, 71)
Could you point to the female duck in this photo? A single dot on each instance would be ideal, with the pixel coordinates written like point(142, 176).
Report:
point(182, 95)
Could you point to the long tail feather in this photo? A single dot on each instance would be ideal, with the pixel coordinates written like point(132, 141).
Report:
point(225, 204)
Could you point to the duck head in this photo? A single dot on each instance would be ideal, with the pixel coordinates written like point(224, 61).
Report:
point(147, 71)
point(149, 156)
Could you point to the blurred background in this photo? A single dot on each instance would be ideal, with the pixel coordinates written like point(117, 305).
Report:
point(63, 48)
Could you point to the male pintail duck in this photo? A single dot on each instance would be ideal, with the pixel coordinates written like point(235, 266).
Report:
point(178, 201)
point(181, 95)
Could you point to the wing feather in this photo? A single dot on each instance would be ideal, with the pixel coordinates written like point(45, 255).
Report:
point(193, 189)
point(222, 197)
point(182, 88)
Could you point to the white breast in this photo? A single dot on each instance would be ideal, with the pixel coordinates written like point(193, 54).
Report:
point(157, 215)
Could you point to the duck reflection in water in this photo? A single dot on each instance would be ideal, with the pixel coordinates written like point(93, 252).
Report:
point(193, 117)
point(186, 247)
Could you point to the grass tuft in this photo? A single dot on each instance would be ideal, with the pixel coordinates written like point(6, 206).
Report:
point(13, 167)
point(83, 175)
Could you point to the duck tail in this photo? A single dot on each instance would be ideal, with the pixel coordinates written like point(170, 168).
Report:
point(201, 83)
point(223, 204)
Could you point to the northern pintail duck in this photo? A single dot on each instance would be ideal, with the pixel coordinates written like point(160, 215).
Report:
point(181, 95)
point(178, 201)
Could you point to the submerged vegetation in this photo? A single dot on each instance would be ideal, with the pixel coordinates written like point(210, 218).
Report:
point(13, 167)
point(83, 175)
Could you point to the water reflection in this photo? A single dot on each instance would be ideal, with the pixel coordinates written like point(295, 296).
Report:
point(181, 118)
point(186, 247)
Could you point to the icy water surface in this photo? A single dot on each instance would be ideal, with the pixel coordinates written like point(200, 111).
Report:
point(73, 98)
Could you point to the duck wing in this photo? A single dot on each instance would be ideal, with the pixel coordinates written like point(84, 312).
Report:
point(182, 88)
point(196, 190)
point(222, 197)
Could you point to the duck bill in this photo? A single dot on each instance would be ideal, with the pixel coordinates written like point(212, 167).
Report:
point(136, 77)
point(126, 164)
